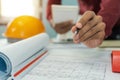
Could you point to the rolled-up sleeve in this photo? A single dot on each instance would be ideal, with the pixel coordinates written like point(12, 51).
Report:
point(48, 9)
point(110, 11)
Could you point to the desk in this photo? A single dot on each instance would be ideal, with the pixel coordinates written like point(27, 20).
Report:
point(66, 63)
point(111, 43)
point(74, 62)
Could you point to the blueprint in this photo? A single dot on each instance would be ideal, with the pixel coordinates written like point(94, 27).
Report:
point(74, 64)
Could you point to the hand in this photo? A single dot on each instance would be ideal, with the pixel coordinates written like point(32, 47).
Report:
point(62, 27)
point(92, 30)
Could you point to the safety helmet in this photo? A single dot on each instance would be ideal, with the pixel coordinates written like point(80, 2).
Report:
point(23, 27)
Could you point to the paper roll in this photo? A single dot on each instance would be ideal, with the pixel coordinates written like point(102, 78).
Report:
point(17, 57)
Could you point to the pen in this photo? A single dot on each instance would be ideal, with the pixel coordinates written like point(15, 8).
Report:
point(77, 30)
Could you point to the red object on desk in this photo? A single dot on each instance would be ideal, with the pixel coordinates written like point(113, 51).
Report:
point(115, 61)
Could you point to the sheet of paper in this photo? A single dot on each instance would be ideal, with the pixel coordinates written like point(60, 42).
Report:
point(66, 45)
point(61, 13)
point(74, 64)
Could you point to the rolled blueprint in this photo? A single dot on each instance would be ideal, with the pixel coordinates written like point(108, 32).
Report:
point(19, 58)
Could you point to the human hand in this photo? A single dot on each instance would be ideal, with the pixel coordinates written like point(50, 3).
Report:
point(92, 30)
point(62, 27)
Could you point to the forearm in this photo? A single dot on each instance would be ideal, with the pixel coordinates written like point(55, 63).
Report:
point(48, 9)
point(110, 11)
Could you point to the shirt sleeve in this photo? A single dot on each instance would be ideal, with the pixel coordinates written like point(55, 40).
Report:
point(110, 11)
point(48, 9)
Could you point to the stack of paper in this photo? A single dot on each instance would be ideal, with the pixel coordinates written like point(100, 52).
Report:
point(61, 13)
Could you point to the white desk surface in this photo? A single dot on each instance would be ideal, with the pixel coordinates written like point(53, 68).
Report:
point(73, 62)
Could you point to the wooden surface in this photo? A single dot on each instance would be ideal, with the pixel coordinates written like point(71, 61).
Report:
point(110, 43)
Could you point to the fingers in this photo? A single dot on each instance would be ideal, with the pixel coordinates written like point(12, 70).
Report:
point(74, 28)
point(91, 27)
point(88, 15)
point(94, 37)
point(92, 32)
point(95, 40)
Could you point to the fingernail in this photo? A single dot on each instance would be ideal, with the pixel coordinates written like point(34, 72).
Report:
point(73, 29)
point(79, 25)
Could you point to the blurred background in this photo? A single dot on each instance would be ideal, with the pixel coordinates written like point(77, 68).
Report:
point(10, 9)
